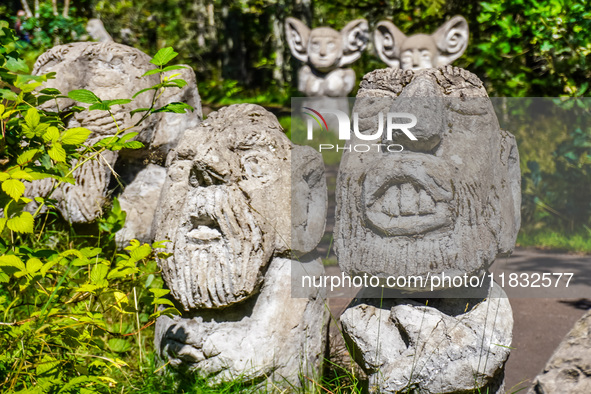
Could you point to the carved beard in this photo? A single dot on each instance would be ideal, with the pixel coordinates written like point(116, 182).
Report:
point(220, 250)
point(465, 245)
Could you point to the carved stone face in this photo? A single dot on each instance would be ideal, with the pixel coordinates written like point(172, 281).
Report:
point(325, 48)
point(418, 52)
point(421, 51)
point(225, 206)
point(449, 202)
point(111, 71)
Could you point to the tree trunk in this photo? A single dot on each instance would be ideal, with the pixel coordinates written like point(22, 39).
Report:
point(26, 8)
point(36, 8)
point(54, 7)
point(279, 49)
point(66, 12)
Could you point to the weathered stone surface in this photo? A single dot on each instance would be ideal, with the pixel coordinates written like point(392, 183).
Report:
point(325, 52)
point(421, 51)
point(450, 202)
point(448, 346)
point(139, 200)
point(569, 368)
point(272, 337)
point(111, 71)
point(96, 30)
point(226, 206)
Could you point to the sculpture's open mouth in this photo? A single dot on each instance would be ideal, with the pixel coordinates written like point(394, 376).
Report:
point(205, 229)
point(406, 205)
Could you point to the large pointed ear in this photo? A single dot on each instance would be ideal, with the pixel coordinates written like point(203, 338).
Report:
point(355, 38)
point(388, 39)
point(451, 40)
point(297, 35)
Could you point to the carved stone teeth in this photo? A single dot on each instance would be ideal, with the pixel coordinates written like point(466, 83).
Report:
point(405, 200)
point(426, 203)
point(409, 200)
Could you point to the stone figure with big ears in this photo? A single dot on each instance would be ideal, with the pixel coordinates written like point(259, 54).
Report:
point(326, 52)
point(421, 51)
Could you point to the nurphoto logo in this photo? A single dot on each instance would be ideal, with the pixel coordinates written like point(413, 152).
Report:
point(344, 129)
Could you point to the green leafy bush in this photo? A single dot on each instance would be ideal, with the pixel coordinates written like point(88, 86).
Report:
point(69, 313)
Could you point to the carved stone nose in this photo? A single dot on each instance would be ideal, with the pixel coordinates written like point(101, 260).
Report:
point(416, 58)
point(424, 99)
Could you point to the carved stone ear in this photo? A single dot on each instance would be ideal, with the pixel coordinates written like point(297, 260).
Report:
point(511, 194)
point(388, 39)
point(451, 40)
point(309, 202)
point(297, 35)
point(355, 38)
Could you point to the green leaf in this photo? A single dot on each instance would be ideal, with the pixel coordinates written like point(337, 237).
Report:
point(34, 265)
point(32, 118)
point(159, 293)
point(20, 174)
point(163, 56)
point(99, 107)
point(21, 223)
point(128, 136)
point(57, 152)
point(52, 134)
point(141, 252)
point(16, 65)
point(8, 94)
point(152, 72)
point(47, 364)
point(75, 136)
point(139, 110)
point(118, 345)
point(117, 102)
point(149, 280)
point(178, 108)
point(50, 91)
point(180, 83)
point(27, 156)
point(14, 188)
point(133, 145)
point(4, 176)
point(155, 87)
point(9, 260)
point(175, 67)
point(84, 96)
point(98, 273)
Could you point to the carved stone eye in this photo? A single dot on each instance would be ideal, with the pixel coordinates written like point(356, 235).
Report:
point(253, 166)
point(331, 46)
point(201, 176)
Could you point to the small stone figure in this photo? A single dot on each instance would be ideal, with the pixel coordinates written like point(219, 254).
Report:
point(325, 53)
point(226, 208)
point(421, 51)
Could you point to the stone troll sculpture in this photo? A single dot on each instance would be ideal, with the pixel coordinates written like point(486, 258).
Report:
point(238, 202)
point(449, 203)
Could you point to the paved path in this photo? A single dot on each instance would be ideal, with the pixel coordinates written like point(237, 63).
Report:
point(540, 323)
